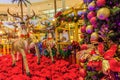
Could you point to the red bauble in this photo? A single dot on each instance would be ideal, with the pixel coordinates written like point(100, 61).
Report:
point(101, 2)
point(83, 29)
point(91, 14)
point(84, 47)
point(82, 72)
point(93, 20)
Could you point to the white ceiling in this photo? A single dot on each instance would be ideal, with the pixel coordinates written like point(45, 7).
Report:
point(9, 1)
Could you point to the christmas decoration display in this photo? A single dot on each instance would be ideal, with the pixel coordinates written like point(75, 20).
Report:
point(102, 49)
point(95, 57)
point(69, 15)
point(22, 43)
point(49, 46)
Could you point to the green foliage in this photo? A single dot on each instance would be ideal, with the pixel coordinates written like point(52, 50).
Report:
point(64, 54)
point(115, 10)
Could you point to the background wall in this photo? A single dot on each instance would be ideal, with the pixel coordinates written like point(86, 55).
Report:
point(38, 7)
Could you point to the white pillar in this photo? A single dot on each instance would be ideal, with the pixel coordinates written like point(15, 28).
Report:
point(63, 5)
point(28, 8)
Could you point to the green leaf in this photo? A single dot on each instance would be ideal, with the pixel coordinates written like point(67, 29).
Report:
point(114, 10)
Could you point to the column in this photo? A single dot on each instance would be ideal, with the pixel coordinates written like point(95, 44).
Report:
point(63, 5)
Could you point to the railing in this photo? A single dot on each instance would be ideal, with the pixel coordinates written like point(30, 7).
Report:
point(5, 49)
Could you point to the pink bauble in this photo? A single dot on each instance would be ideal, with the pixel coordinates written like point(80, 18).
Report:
point(101, 2)
point(83, 29)
point(91, 14)
point(93, 20)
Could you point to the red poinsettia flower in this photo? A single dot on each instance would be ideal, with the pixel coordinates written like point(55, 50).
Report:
point(108, 55)
point(95, 64)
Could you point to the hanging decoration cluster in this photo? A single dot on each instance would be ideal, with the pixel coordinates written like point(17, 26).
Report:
point(102, 14)
point(71, 17)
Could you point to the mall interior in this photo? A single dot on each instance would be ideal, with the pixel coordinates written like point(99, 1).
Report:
point(59, 39)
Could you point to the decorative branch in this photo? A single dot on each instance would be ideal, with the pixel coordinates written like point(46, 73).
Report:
point(14, 15)
point(29, 17)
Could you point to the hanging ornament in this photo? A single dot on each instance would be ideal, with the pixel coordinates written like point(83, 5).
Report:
point(93, 20)
point(91, 6)
point(103, 13)
point(101, 3)
point(94, 37)
point(89, 29)
point(91, 14)
point(83, 29)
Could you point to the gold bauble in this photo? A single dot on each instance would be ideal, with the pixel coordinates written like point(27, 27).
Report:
point(103, 13)
point(94, 36)
point(89, 29)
